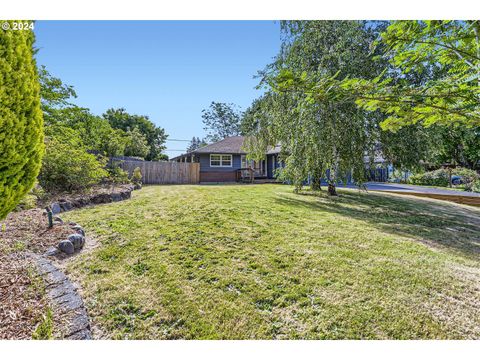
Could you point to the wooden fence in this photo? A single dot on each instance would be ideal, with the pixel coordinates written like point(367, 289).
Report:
point(164, 172)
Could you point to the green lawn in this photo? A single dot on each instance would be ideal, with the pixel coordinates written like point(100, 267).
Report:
point(260, 262)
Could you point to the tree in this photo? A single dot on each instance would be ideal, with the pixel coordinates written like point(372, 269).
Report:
point(55, 96)
point(155, 136)
point(451, 49)
point(321, 137)
point(113, 142)
point(458, 145)
point(195, 143)
point(137, 144)
point(221, 120)
point(21, 121)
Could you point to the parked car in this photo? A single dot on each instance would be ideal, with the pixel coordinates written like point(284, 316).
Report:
point(457, 180)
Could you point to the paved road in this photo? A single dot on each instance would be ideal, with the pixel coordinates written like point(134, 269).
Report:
point(414, 188)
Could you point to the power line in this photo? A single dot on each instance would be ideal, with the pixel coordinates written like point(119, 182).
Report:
point(178, 140)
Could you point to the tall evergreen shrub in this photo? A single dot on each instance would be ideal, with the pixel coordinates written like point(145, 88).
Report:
point(21, 121)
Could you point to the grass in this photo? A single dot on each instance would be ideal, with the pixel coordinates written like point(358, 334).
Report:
point(260, 262)
point(44, 330)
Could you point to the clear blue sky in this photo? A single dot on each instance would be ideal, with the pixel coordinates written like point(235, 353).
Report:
point(168, 70)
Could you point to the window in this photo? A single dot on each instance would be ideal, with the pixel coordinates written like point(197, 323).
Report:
point(220, 160)
point(244, 161)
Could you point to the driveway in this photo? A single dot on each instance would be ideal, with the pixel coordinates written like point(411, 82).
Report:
point(417, 189)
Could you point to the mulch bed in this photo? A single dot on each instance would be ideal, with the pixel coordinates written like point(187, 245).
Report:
point(28, 230)
point(22, 304)
point(22, 299)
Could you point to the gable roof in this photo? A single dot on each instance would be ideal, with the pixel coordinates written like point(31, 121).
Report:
point(230, 145)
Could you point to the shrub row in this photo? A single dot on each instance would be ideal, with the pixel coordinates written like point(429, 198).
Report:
point(440, 177)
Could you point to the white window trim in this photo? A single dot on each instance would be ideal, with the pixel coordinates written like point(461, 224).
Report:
point(221, 160)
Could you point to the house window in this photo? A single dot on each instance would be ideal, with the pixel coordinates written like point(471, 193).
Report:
point(218, 160)
point(244, 161)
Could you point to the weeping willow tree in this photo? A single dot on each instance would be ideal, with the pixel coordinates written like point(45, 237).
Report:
point(321, 136)
point(21, 121)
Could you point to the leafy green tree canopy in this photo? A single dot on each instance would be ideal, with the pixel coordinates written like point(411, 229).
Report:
point(155, 136)
point(221, 120)
point(137, 144)
point(55, 97)
point(448, 49)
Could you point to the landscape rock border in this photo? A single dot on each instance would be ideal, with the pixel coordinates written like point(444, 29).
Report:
point(63, 205)
point(65, 300)
point(74, 242)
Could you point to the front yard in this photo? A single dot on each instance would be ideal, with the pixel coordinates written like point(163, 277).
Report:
point(260, 262)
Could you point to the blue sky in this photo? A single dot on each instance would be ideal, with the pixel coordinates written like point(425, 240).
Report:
point(168, 70)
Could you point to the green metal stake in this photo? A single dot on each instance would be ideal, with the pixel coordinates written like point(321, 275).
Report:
point(50, 217)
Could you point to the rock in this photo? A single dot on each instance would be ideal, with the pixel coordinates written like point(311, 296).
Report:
point(57, 223)
point(66, 206)
point(45, 267)
point(68, 302)
point(79, 229)
point(117, 197)
point(137, 186)
point(58, 218)
point(71, 223)
point(77, 240)
point(81, 335)
point(52, 251)
point(55, 277)
point(55, 207)
point(66, 246)
point(60, 289)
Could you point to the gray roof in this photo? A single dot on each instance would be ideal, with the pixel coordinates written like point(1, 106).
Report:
point(230, 145)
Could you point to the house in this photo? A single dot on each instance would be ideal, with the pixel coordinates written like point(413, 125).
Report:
point(226, 160)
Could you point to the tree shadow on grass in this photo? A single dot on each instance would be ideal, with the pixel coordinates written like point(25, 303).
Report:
point(435, 224)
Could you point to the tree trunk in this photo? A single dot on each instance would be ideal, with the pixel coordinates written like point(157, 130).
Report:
point(332, 190)
point(316, 183)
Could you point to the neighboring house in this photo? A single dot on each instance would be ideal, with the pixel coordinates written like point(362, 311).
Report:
point(378, 168)
point(221, 161)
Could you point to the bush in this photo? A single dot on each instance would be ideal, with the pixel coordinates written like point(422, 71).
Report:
point(137, 176)
point(116, 175)
point(431, 178)
point(441, 177)
point(21, 121)
point(469, 177)
point(476, 186)
point(69, 168)
point(31, 199)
